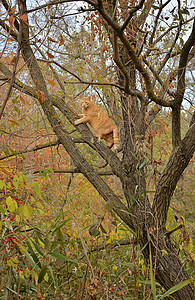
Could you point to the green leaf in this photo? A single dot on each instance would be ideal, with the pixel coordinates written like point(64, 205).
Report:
point(155, 6)
point(37, 248)
point(143, 163)
point(37, 189)
point(109, 205)
point(134, 156)
point(52, 275)
point(153, 284)
point(59, 235)
point(144, 247)
point(62, 257)
point(103, 229)
point(34, 256)
point(40, 238)
point(42, 274)
point(17, 110)
point(93, 231)
point(176, 288)
point(32, 263)
point(62, 224)
point(150, 173)
point(15, 101)
point(6, 151)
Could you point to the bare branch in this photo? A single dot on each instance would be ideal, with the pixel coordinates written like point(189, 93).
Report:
point(131, 13)
point(81, 81)
point(156, 21)
point(8, 29)
point(50, 3)
point(165, 88)
point(136, 60)
point(13, 73)
point(8, 9)
point(76, 171)
point(36, 148)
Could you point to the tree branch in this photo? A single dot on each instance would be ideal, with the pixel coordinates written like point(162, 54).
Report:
point(176, 110)
point(12, 79)
point(182, 65)
point(177, 163)
point(136, 60)
point(50, 3)
point(76, 171)
point(36, 148)
point(131, 13)
point(79, 161)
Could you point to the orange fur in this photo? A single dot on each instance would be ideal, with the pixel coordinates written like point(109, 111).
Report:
point(103, 126)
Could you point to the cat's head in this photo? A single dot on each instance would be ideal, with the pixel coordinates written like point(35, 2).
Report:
point(85, 102)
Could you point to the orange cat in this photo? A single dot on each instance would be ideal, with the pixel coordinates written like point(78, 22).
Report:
point(103, 126)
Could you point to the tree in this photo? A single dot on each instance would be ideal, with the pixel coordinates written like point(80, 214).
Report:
point(143, 77)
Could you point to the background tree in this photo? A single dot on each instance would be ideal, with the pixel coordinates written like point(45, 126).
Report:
point(143, 57)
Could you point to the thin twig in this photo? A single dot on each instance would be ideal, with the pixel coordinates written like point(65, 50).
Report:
point(13, 73)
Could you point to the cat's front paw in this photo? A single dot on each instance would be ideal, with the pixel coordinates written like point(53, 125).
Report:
point(116, 147)
point(76, 122)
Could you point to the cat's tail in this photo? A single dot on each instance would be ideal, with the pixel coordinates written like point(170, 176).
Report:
point(116, 138)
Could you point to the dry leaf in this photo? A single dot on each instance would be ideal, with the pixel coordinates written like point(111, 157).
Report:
point(5, 171)
point(13, 60)
point(22, 99)
point(52, 40)
point(39, 131)
point(41, 96)
point(61, 40)
point(23, 17)
point(68, 253)
point(11, 20)
point(13, 122)
point(51, 82)
point(11, 12)
point(50, 55)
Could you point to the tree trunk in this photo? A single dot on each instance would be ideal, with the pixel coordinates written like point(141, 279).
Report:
point(168, 268)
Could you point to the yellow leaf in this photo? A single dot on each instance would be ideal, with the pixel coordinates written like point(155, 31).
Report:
point(17, 219)
point(25, 211)
point(10, 261)
point(11, 204)
point(114, 268)
point(46, 277)
point(27, 272)
point(35, 277)
point(21, 275)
